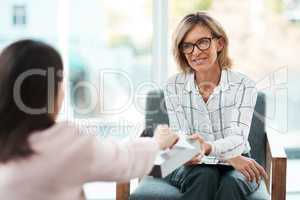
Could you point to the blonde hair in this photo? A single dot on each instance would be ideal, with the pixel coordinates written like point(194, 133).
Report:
point(186, 25)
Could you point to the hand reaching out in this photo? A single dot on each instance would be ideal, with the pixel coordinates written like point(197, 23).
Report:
point(165, 137)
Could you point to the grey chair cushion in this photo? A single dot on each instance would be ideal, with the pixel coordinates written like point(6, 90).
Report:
point(257, 134)
point(157, 189)
point(156, 113)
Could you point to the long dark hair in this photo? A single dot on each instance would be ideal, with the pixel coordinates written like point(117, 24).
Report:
point(26, 105)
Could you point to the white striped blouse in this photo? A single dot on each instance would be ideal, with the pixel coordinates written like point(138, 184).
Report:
point(224, 120)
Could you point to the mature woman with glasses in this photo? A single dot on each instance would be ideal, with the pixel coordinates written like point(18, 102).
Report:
point(44, 159)
point(214, 105)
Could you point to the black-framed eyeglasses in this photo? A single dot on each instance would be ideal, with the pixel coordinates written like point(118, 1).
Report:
point(202, 44)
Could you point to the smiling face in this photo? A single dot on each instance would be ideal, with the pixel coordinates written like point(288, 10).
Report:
point(202, 60)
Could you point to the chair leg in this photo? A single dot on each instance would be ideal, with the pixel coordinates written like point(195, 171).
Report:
point(278, 191)
point(276, 167)
point(82, 195)
point(122, 191)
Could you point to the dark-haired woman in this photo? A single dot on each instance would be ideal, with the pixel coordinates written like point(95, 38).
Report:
point(41, 159)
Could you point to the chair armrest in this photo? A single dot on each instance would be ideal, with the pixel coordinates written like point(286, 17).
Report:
point(276, 163)
point(122, 191)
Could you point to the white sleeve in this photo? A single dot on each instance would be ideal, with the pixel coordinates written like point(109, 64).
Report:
point(240, 122)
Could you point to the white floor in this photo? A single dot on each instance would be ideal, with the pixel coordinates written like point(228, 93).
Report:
point(293, 180)
point(104, 191)
point(100, 191)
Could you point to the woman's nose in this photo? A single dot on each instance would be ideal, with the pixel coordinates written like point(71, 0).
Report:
point(196, 51)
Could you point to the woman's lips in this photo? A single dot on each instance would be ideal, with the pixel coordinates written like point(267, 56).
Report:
point(199, 61)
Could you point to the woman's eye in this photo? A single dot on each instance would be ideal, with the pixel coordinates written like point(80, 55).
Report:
point(203, 42)
point(186, 46)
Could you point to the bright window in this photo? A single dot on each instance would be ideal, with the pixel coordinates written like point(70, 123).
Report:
point(19, 15)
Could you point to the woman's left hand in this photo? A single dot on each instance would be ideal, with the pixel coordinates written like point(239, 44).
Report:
point(205, 149)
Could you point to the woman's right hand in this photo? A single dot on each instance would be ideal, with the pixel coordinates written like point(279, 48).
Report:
point(249, 167)
point(165, 137)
